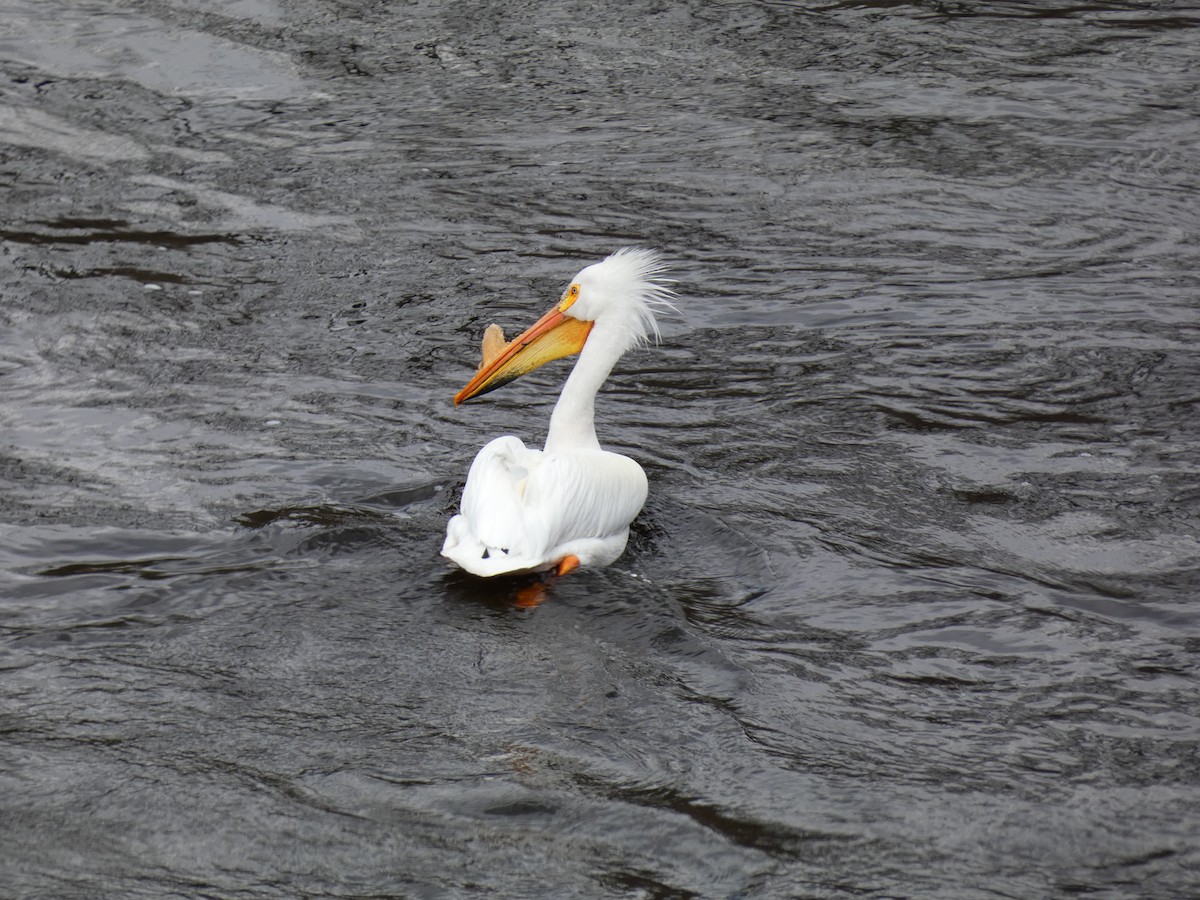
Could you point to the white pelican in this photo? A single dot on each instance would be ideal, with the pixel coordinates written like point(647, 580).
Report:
point(527, 510)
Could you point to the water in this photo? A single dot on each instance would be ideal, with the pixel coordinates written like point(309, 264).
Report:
point(912, 609)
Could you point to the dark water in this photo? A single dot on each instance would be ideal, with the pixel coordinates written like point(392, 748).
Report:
point(912, 611)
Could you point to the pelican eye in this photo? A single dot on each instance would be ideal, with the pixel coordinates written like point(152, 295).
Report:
point(569, 296)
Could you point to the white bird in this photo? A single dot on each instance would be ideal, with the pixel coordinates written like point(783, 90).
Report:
point(528, 510)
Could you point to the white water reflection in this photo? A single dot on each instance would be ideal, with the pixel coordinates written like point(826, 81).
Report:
point(105, 40)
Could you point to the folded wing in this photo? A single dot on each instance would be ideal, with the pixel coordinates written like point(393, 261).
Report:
point(524, 510)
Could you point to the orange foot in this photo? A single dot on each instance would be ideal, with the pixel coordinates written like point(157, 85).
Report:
point(529, 596)
point(568, 563)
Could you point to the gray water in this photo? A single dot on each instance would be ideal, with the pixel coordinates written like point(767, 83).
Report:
point(912, 610)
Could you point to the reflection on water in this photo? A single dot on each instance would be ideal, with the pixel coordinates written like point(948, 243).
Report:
point(910, 611)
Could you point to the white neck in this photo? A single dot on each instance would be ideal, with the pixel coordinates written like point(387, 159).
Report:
point(573, 422)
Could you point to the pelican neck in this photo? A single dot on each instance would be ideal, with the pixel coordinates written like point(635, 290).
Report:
point(573, 422)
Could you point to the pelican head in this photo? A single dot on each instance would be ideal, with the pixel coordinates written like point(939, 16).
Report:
point(618, 298)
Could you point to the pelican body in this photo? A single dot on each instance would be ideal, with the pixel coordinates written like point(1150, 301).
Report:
point(571, 504)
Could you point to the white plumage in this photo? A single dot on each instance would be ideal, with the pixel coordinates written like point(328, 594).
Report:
point(530, 510)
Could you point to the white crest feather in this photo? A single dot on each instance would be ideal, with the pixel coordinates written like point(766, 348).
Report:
point(632, 278)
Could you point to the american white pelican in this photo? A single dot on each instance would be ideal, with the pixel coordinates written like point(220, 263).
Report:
point(527, 510)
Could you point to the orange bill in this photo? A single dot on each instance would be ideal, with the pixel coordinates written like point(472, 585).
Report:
point(551, 337)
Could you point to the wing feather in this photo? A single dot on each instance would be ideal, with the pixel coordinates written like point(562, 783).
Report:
point(591, 494)
point(494, 494)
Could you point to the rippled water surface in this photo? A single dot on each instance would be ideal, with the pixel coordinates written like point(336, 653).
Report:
point(912, 610)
